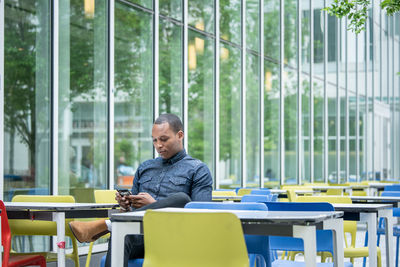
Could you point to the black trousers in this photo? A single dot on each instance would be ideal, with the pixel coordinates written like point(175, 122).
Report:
point(134, 244)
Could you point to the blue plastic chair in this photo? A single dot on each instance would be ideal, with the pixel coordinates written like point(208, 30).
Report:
point(255, 244)
point(324, 237)
point(131, 263)
point(381, 225)
point(256, 198)
point(394, 187)
point(263, 191)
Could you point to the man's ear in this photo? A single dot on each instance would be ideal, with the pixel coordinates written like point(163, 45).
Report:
point(180, 134)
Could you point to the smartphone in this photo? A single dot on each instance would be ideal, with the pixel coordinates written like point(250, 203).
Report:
point(124, 192)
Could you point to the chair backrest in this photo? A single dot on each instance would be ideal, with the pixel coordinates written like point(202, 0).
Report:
point(5, 234)
point(105, 196)
point(43, 198)
point(324, 237)
point(256, 198)
point(334, 192)
point(263, 191)
point(256, 244)
point(394, 187)
point(193, 239)
point(390, 194)
point(229, 193)
point(244, 191)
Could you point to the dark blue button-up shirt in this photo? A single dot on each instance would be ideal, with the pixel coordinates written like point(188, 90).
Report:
point(161, 177)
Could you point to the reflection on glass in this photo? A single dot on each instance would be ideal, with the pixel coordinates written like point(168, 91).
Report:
point(271, 124)
point(229, 121)
point(252, 24)
point(144, 3)
point(305, 121)
point(170, 68)
point(332, 158)
point(200, 101)
point(230, 20)
point(26, 98)
point(362, 132)
point(332, 49)
point(290, 49)
point(377, 62)
point(342, 136)
point(82, 100)
point(384, 61)
point(319, 26)
point(133, 98)
point(272, 29)
point(318, 130)
point(252, 120)
point(201, 15)
point(305, 35)
point(171, 8)
point(351, 61)
point(290, 125)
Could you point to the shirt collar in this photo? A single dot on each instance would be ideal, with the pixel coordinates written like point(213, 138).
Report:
point(177, 157)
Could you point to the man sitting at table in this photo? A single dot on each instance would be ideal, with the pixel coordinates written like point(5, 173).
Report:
point(171, 180)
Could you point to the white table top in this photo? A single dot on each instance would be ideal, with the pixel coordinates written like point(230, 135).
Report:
point(361, 207)
point(49, 206)
point(298, 218)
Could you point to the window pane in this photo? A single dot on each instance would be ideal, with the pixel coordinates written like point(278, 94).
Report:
point(252, 24)
point(342, 136)
point(170, 68)
point(133, 97)
point(306, 35)
point(318, 131)
point(26, 98)
point(305, 135)
point(82, 100)
point(332, 121)
point(200, 99)
point(201, 15)
point(271, 124)
point(332, 49)
point(291, 32)
point(229, 121)
point(252, 120)
point(144, 3)
point(230, 20)
point(319, 26)
point(272, 29)
point(171, 8)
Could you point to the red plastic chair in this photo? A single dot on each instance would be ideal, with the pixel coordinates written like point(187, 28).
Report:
point(10, 261)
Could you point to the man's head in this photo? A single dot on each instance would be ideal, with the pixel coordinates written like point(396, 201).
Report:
point(167, 134)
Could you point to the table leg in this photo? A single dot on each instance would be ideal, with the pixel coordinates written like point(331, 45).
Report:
point(388, 215)
point(308, 234)
point(118, 232)
point(336, 225)
point(59, 218)
point(370, 219)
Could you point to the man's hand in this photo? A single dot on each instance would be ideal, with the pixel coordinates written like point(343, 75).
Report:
point(141, 200)
point(124, 202)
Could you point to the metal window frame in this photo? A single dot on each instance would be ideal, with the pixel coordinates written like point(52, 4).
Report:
point(261, 92)
point(54, 96)
point(281, 99)
point(347, 113)
point(311, 103)
point(366, 131)
point(357, 120)
point(1, 98)
point(338, 46)
point(111, 85)
point(216, 94)
point(185, 75)
point(326, 148)
point(300, 146)
point(373, 94)
point(156, 40)
point(243, 87)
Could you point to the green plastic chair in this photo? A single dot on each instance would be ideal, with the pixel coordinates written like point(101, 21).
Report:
point(47, 228)
point(196, 239)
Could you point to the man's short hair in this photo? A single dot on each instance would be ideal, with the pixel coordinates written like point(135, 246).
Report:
point(174, 121)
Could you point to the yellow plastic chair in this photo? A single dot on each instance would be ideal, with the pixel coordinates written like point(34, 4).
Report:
point(334, 192)
point(101, 196)
point(170, 241)
point(349, 227)
point(224, 193)
point(34, 227)
point(244, 191)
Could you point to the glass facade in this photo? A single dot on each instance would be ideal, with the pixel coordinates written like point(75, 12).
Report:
point(283, 96)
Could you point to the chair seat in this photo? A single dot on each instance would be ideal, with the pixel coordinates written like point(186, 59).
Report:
point(24, 260)
point(131, 263)
point(285, 263)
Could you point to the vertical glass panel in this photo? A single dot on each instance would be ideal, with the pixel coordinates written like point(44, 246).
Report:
point(305, 35)
point(272, 29)
point(82, 100)
point(344, 34)
point(200, 99)
point(271, 124)
point(361, 124)
point(305, 121)
point(342, 136)
point(133, 96)
point(332, 49)
point(26, 98)
point(332, 121)
point(201, 15)
point(319, 26)
point(144, 3)
point(170, 67)
point(252, 120)
point(290, 125)
point(229, 121)
point(351, 61)
point(253, 24)
point(230, 20)
point(377, 62)
point(171, 8)
point(353, 121)
point(384, 61)
point(291, 32)
point(318, 130)
point(362, 90)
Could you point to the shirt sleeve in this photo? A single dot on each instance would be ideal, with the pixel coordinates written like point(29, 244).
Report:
point(202, 184)
point(135, 186)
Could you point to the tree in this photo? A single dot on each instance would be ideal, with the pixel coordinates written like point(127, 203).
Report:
point(356, 11)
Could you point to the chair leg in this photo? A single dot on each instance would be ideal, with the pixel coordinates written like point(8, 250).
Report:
point(397, 251)
point(89, 255)
point(75, 252)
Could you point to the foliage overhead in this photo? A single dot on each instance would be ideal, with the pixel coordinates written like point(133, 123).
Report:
point(356, 11)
